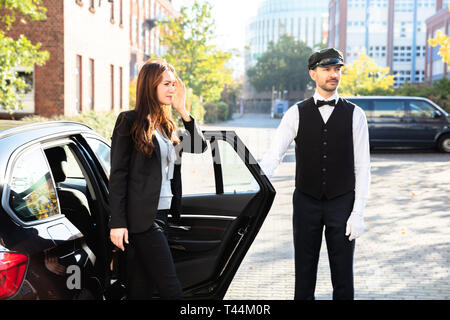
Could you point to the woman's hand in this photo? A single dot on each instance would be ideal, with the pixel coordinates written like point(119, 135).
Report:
point(118, 235)
point(53, 265)
point(179, 101)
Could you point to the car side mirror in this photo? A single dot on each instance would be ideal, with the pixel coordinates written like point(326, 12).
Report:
point(437, 114)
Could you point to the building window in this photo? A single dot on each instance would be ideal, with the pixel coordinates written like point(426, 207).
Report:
point(92, 6)
point(91, 85)
point(112, 13)
point(120, 87)
point(78, 83)
point(133, 29)
point(147, 41)
point(121, 13)
point(142, 36)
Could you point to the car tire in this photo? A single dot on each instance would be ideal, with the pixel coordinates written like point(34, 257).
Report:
point(443, 143)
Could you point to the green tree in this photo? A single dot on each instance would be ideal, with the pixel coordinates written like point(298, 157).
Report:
point(365, 77)
point(199, 63)
point(230, 95)
point(443, 41)
point(20, 53)
point(283, 66)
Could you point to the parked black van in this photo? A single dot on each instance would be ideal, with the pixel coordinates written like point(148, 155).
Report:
point(405, 122)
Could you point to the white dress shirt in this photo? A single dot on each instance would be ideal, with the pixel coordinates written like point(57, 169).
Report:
point(287, 131)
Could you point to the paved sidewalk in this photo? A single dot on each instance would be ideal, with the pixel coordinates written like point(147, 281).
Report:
point(405, 253)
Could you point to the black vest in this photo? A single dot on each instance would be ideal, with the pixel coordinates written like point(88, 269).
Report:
point(324, 152)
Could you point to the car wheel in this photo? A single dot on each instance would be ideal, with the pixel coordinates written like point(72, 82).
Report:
point(444, 143)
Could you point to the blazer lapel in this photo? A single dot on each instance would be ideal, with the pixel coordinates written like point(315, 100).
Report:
point(157, 150)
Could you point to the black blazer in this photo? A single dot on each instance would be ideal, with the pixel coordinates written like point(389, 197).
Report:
point(135, 179)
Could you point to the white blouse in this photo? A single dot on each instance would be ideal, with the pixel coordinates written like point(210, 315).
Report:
point(167, 165)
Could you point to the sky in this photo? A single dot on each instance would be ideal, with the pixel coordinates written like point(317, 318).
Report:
point(231, 18)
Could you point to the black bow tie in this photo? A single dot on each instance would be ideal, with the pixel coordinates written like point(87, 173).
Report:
point(320, 103)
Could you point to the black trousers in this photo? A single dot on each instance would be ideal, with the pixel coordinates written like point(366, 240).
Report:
point(309, 219)
point(150, 268)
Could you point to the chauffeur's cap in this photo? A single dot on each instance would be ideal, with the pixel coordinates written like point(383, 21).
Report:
point(325, 57)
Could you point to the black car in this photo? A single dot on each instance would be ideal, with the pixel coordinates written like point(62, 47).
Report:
point(405, 122)
point(54, 237)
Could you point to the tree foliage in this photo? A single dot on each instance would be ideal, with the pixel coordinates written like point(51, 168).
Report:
point(444, 42)
point(230, 95)
point(283, 65)
point(198, 62)
point(365, 77)
point(19, 53)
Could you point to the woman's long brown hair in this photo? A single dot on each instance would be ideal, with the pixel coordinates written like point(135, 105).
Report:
point(150, 112)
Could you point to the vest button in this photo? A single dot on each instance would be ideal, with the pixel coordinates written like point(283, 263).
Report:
point(324, 169)
point(324, 156)
point(325, 130)
point(324, 182)
point(324, 143)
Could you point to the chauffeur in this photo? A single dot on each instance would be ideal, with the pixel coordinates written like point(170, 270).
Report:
point(332, 176)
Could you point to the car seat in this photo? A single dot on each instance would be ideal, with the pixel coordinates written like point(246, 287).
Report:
point(73, 202)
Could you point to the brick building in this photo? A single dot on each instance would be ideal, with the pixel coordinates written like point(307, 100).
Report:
point(88, 69)
point(435, 68)
point(144, 35)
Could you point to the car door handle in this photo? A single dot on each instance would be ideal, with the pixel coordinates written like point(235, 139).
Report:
point(174, 226)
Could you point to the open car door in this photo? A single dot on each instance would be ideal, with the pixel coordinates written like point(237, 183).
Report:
point(225, 201)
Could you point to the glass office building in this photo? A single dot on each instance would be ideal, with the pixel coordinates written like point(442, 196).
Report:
point(392, 32)
point(304, 20)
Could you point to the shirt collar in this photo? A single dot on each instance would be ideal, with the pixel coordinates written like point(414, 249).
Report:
point(317, 96)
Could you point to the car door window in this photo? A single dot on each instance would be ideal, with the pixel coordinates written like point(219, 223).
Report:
point(363, 104)
point(389, 108)
point(32, 194)
point(235, 174)
point(70, 166)
point(421, 109)
point(103, 153)
point(197, 173)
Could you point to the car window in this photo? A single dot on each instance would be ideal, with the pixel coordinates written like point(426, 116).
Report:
point(198, 176)
point(197, 173)
point(421, 109)
point(236, 176)
point(363, 104)
point(33, 193)
point(70, 166)
point(103, 153)
point(389, 108)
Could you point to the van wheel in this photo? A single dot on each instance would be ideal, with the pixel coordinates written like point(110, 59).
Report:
point(443, 143)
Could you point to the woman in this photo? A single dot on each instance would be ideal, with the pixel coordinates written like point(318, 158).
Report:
point(145, 179)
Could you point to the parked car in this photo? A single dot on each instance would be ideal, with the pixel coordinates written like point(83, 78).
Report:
point(54, 237)
point(405, 122)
